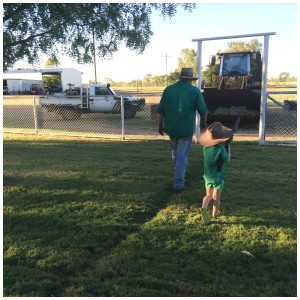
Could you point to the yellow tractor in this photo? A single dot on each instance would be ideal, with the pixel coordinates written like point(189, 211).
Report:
point(235, 90)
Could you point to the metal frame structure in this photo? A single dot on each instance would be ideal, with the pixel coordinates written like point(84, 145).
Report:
point(264, 75)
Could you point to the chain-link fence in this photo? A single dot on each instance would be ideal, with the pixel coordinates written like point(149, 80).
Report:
point(19, 114)
point(281, 119)
point(25, 114)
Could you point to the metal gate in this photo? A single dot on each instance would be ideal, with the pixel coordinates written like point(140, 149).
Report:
point(280, 120)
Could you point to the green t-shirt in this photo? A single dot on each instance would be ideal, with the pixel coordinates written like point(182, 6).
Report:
point(211, 156)
point(178, 105)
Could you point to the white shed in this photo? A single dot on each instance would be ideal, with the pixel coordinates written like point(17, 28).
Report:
point(23, 74)
point(67, 76)
point(22, 81)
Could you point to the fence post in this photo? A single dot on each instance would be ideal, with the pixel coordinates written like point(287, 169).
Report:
point(35, 116)
point(199, 68)
point(263, 98)
point(122, 118)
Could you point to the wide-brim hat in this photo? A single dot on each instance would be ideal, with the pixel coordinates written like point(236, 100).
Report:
point(215, 134)
point(187, 73)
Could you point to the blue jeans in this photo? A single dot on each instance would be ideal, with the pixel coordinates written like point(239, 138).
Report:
point(180, 151)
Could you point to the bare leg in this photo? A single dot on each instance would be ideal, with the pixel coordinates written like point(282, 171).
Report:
point(216, 202)
point(206, 200)
point(208, 197)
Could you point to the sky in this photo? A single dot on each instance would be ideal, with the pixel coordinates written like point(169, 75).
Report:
point(170, 36)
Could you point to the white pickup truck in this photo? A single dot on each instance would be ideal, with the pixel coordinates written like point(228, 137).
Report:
point(93, 98)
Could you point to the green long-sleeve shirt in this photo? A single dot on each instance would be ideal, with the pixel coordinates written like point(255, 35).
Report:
point(178, 105)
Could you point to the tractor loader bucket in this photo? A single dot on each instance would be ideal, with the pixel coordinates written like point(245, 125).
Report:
point(227, 104)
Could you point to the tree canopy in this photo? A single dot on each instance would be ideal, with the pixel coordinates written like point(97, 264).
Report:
point(52, 62)
point(78, 29)
point(253, 45)
point(283, 76)
point(187, 59)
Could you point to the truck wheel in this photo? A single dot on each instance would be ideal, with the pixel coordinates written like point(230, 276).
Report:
point(129, 112)
point(51, 108)
point(70, 114)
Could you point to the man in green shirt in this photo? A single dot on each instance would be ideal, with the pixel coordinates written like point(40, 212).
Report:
point(176, 117)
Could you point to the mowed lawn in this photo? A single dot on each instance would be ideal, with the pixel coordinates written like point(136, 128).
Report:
point(85, 217)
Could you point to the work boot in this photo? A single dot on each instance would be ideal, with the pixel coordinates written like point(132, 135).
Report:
point(177, 191)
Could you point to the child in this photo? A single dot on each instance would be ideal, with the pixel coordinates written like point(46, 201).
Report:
point(216, 150)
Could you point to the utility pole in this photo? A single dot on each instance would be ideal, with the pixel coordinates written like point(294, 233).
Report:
point(166, 56)
point(94, 56)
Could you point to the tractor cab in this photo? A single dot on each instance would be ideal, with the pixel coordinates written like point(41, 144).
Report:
point(235, 64)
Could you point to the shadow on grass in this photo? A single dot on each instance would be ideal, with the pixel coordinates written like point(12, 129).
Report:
point(176, 260)
point(62, 216)
point(96, 219)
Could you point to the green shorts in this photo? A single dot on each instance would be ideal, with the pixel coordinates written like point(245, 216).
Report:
point(215, 185)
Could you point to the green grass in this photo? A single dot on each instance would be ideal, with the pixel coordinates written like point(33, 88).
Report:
point(84, 217)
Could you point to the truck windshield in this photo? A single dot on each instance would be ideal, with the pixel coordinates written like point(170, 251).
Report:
point(103, 91)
